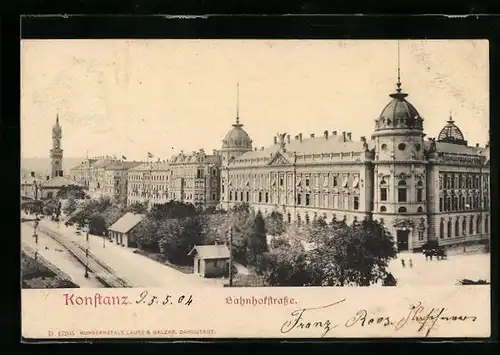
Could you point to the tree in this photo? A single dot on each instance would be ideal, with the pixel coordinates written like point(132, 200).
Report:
point(147, 235)
point(71, 191)
point(239, 221)
point(257, 240)
point(286, 265)
point(97, 225)
point(274, 223)
point(172, 209)
point(137, 207)
point(178, 237)
point(350, 255)
point(70, 206)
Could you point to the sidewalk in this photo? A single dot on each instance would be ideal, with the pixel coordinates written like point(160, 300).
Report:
point(137, 269)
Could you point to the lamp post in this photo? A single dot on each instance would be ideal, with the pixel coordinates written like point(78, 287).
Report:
point(87, 251)
point(35, 235)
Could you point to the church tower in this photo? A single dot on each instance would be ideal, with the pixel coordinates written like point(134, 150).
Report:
point(400, 170)
point(56, 153)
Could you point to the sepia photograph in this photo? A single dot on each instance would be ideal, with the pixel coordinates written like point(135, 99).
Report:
point(152, 163)
point(306, 177)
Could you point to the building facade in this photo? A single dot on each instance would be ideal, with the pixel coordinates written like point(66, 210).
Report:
point(116, 180)
point(148, 183)
point(422, 189)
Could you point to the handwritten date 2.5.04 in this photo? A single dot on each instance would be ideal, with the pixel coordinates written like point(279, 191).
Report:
point(149, 299)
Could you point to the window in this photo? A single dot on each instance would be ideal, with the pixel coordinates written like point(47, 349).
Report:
point(267, 197)
point(457, 228)
point(335, 181)
point(402, 146)
point(289, 217)
point(298, 220)
point(236, 195)
point(419, 192)
point(402, 210)
point(230, 195)
point(417, 147)
point(299, 199)
point(356, 202)
point(383, 194)
point(402, 194)
point(307, 181)
point(248, 196)
point(222, 188)
point(307, 200)
point(307, 218)
point(420, 209)
point(449, 229)
point(383, 209)
point(420, 235)
point(241, 196)
point(441, 230)
point(260, 196)
point(281, 181)
point(486, 224)
point(471, 226)
point(464, 226)
point(383, 146)
point(478, 225)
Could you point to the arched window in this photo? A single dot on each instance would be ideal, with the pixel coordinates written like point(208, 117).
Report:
point(307, 218)
point(402, 209)
point(478, 225)
point(420, 191)
point(486, 224)
point(457, 228)
point(420, 209)
point(289, 217)
point(464, 226)
point(471, 225)
point(383, 190)
point(441, 229)
point(449, 229)
point(383, 209)
point(402, 191)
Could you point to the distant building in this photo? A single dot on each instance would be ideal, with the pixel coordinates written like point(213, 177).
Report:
point(122, 231)
point(148, 183)
point(49, 188)
point(210, 260)
point(31, 186)
point(115, 180)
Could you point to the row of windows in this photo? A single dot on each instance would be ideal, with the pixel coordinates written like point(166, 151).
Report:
point(458, 229)
point(324, 180)
point(461, 203)
point(402, 194)
point(461, 180)
point(343, 202)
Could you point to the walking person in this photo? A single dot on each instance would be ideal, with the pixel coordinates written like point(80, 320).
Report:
point(411, 263)
point(403, 262)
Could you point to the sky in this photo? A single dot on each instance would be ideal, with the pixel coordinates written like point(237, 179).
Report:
point(130, 97)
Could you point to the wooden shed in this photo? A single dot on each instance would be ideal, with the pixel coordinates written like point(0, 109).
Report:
point(122, 231)
point(210, 260)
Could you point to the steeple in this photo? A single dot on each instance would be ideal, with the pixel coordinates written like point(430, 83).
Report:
point(399, 94)
point(237, 124)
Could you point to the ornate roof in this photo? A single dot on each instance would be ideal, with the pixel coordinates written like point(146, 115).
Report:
point(237, 138)
point(451, 133)
point(399, 113)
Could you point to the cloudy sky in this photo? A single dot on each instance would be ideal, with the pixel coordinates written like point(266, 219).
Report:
point(128, 97)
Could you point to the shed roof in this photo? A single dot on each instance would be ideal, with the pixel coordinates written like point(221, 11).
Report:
point(127, 222)
point(210, 251)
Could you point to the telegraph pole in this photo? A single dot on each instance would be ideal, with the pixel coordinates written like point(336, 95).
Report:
point(231, 257)
point(35, 235)
point(87, 253)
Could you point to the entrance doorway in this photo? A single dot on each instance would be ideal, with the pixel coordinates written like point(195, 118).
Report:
point(402, 240)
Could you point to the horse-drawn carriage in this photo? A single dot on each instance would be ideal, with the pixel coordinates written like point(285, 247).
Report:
point(432, 248)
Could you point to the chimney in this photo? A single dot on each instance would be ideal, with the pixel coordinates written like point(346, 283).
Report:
point(312, 135)
point(477, 145)
point(47, 178)
point(288, 139)
point(275, 140)
point(32, 174)
point(300, 137)
point(343, 136)
point(349, 136)
point(325, 133)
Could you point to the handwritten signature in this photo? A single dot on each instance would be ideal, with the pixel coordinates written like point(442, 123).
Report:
point(425, 319)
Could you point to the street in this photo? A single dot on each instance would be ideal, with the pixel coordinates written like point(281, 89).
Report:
point(138, 270)
point(59, 256)
point(440, 272)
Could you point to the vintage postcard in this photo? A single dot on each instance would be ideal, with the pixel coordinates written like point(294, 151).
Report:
point(255, 188)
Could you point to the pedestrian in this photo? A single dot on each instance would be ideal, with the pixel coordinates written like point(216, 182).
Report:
point(403, 262)
point(411, 263)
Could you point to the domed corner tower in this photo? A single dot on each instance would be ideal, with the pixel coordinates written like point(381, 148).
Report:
point(400, 171)
point(235, 143)
point(451, 133)
point(56, 153)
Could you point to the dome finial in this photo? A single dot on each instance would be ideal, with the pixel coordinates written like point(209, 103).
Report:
point(399, 94)
point(451, 118)
point(237, 124)
point(57, 117)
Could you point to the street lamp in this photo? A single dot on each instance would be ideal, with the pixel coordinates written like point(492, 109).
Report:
point(87, 251)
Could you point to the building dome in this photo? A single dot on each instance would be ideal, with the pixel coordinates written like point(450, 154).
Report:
point(237, 138)
point(451, 133)
point(399, 113)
